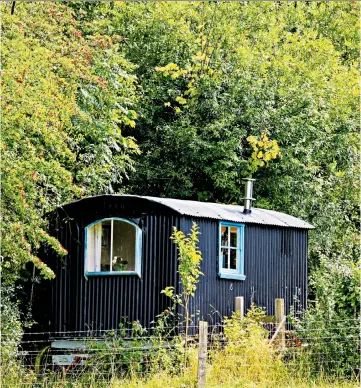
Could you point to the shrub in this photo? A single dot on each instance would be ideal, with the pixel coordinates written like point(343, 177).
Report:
point(329, 331)
point(330, 346)
point(246, 355)
point(12, 371)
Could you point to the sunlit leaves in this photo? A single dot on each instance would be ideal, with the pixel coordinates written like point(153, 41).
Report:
point(264, 150)
point(66, 98)
point(189, 258)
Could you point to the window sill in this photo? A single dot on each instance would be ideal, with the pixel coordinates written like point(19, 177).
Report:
point(108, 273)
point(232, 276)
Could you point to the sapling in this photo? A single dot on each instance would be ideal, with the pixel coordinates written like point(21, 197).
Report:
point(189, 259)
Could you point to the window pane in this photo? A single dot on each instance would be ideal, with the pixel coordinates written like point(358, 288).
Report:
point(233, 262)
point(124, 241)
point(93, 248)
point(105, 244)
point(224, 236)
point(224, 258)
point(234, 236)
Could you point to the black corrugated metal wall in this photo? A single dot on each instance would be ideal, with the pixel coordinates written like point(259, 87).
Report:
point(275, 265)
point(102, 302)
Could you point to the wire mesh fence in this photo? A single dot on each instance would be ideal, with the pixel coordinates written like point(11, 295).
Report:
point(107, 354)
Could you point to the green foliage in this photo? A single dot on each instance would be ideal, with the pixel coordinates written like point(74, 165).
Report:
point(275, 67)
point(10, 325)
point(331, 345)
point(189, 260)
point(65, 100)
point(12, 371)
point(118, 353)
point(337, 288)
point(127, 353)
point(247, 355)
point(330, 329)
point(197, 86)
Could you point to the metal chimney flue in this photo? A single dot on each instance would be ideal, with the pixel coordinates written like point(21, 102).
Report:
point(248, 191)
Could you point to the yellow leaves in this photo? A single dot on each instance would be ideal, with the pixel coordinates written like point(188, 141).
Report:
point(133, 114)
point(179, 73)
point(199, 57)
point(181, 100)
point(252, 140)
point(131, 123)
point(168, 291)
point(264, 150)
point(172, 70)
point(192, 73)
point(167, 69)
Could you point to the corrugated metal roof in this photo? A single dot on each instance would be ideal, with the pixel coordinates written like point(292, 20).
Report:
point(230, 212)
point(218, 211)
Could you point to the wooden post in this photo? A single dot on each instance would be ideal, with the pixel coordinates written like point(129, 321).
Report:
point(239, 305)
point(202, 353)
point(280, 319)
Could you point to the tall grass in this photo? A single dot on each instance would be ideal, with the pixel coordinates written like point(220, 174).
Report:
point(239, 356)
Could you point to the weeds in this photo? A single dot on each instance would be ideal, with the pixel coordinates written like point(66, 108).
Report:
point(239, 355)
point(246, 356)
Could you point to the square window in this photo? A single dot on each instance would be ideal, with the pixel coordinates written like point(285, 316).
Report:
point(231, 251)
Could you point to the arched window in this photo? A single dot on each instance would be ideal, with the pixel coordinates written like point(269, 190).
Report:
point(113, 246)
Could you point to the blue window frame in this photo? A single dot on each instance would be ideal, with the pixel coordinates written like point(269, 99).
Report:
point(113, 246)
point(231, 251)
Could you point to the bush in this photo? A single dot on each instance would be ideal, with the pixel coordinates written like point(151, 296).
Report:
point(329, 330)
point(330, 346)
point(12, 371)
point(246, 355)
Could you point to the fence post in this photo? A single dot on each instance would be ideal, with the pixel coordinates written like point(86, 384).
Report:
point(239, 305)
point(202, 353)
point(280, 315)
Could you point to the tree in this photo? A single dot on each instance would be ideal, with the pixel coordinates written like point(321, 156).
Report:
point(189, 260)
point(213, 75)
point(65, 100)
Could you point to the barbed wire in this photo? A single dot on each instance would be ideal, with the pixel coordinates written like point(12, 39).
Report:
point(213, 337)
point(175, 328)
point(90, 352)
